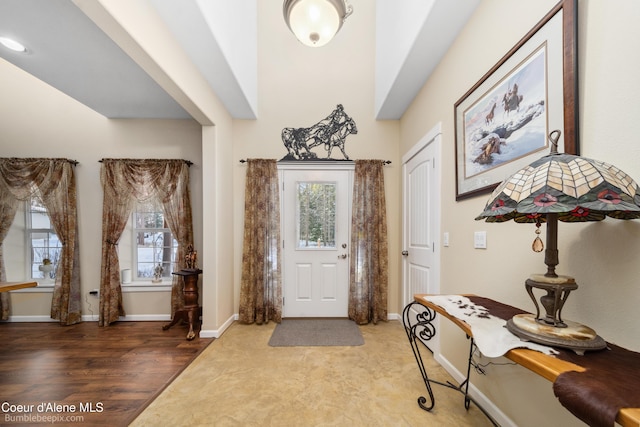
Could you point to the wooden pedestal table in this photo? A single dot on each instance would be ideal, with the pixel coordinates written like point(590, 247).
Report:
point(191, 311)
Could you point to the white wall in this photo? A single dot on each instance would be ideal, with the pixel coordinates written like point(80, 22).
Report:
point(601, 256)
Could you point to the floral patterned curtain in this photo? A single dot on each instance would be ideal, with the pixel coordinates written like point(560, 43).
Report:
point(8, 208)
point(368, 284)
point(261, 287)
point(124, 181)
point(52, 180)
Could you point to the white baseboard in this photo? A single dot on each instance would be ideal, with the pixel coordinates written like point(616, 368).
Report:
point(30, 319)
point(146, 318)
point(217, 333)
point(132, 318)
point(477, 395)
point(393, 316)
point(94, 318)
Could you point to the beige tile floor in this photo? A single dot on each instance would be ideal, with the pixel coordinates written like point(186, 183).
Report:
point(239, 380)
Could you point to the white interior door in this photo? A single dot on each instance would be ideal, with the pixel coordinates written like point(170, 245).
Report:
point(421, 220)
point(315, 222)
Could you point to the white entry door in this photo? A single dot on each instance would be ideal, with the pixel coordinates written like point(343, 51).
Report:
point(421, 220)
point(315, 223)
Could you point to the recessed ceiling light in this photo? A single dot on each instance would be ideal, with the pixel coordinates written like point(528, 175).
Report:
point(12, 44)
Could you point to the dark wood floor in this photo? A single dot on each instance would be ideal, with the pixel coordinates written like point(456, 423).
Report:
point(114, 371)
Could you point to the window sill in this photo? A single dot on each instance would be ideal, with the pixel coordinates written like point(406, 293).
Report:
point(141, 286)
point(146, 286)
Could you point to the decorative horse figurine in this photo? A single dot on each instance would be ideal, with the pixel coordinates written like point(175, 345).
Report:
point(331, 131)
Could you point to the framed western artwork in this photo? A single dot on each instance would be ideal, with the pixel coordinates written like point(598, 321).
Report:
point(502, 123)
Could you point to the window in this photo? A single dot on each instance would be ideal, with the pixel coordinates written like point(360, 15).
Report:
point(42, 242)
point(155, 248)
point(316, 214)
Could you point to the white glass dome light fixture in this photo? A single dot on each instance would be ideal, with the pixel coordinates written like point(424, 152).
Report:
point(12, 44)
point(315, 22)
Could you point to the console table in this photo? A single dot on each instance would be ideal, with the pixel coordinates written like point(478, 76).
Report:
point(191, 311)
point(549, 367)
point(12, 286)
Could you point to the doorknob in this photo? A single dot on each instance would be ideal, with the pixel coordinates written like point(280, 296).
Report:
point(405, 253)
point(343, 256)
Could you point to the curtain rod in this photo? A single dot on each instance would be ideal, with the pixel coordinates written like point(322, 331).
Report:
point(386, 162)
point(188, 162)
point(73, 162)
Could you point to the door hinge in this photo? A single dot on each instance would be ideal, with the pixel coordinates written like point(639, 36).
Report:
point(433, 246)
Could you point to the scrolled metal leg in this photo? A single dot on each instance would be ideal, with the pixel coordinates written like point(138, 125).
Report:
point(423, 329)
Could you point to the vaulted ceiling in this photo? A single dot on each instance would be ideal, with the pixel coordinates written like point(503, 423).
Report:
point(67, 50)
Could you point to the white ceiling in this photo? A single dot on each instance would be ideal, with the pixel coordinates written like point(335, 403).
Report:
point(67, 50)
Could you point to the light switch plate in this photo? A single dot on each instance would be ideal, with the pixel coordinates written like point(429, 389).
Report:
point(480, 240)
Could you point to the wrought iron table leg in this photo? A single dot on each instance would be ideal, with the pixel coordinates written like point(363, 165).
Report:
point(424, 329)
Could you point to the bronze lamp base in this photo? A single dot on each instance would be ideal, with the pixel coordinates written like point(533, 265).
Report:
point(551, 329)
point(574, 336)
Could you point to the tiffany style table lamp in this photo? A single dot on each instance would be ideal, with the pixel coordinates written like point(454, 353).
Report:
point(568, 188)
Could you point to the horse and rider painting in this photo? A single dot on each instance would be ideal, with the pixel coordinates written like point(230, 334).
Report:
point(330, 132)
point(510, 120)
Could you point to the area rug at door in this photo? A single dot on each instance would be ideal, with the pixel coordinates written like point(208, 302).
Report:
point(316, 332)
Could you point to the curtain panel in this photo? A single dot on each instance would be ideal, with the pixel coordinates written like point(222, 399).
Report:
point(124, 182)
point(261, 286)
point(368, 282)
point(53, 181)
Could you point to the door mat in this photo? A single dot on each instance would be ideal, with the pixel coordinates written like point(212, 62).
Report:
point(315, 333)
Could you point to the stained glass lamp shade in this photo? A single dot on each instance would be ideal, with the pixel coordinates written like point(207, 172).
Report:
point(568, 188)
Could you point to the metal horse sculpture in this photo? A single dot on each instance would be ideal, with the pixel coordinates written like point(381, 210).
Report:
point(330, 132)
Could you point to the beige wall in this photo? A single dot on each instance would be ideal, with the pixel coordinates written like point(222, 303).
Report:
point(42, 122)
point(287, 102)
point(601, 256)
point(139, 31)
point(39, 121)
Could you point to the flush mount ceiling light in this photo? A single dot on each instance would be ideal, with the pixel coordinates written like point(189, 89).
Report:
point(315, 22)
point(12, 44)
